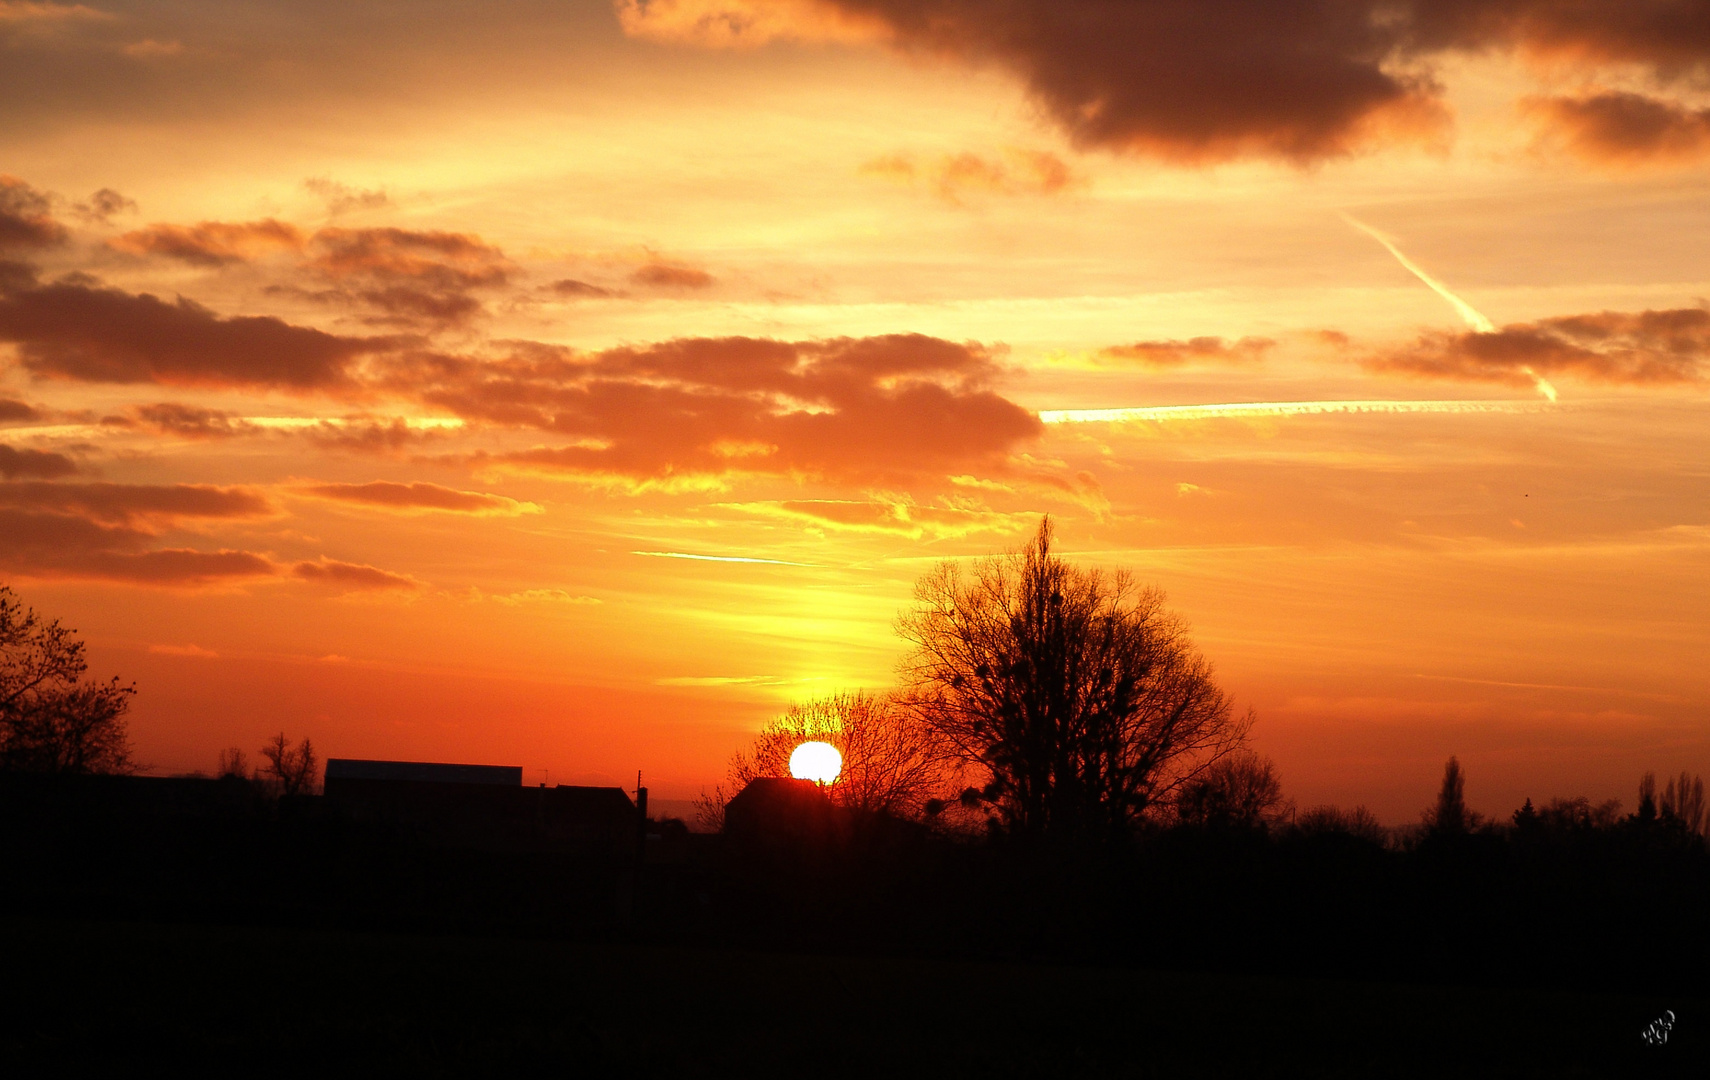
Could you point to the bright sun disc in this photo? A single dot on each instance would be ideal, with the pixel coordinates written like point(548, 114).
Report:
point(816, 761)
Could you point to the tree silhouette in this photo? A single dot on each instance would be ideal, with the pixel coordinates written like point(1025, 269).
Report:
point(1073, 690)
point(892, 763)
point(1683, 799)
point(291, 767)
point(1450, 816)
point(51, 720)
point(1240, 792)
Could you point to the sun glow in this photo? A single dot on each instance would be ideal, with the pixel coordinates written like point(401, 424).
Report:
point(816, 761)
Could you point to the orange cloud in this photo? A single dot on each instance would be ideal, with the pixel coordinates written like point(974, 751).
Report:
point(42, 463)
point(1624, 129)
point(352, 576)
point(211, 243)
point(1197, 350)
point(896, 405)
point(134, 505)
point(671, 276)
point(1640, 348)
point(85, 332)
point(421, 496)
point(72, 546)
point(953, 177)
point(26, 218)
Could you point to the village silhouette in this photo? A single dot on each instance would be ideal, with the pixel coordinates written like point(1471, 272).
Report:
point(1052, 852)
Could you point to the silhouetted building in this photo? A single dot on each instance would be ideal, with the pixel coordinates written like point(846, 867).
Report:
point(775, 811)
point(485, 806)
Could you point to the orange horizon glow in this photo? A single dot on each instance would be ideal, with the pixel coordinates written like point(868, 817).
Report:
point(577, 385)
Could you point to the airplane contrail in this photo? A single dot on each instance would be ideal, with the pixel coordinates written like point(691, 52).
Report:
point(718, 558)
point(1473, 316)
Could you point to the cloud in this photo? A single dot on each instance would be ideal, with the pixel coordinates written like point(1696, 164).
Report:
point(212, 243)
point(954, 177)
point(22, 12)
point(1635, 348)
point(136, 506)
point(40, 463)
point(100, 207)
point(193, 651)
point(342, 198)
point(853, 408)
point(407, 276)
point(421, 496)
point(13, 409)
point(71, 546)
point(1198, 81)
point(667, 275)
point(570, 288)
point(74, 330)
point(352, 576)
point(1199, 350)
point(894, 517)
point(192, 421)
point(1624, 129)
point(542, 596)
point(26, 217)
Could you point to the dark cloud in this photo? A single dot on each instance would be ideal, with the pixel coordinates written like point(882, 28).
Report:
point(570, 288)
point(1207, 80)
point(191, 421)
point(71, 546)
point(211, 243)
point(100, 207)
point(1643, 348)
point(1624, 128)
point(353, 576)
point(137, 506)
point(75, 330)
point(667, 275)
point(1197, 350)
point(13, 409)
point(1189, 80)
point(342, 198)
point(41, 463)
point(898, 405)
point(26, 217)
point(407, 277)
point(419, 496)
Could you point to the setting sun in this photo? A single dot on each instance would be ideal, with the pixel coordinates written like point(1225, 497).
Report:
point(816, 761)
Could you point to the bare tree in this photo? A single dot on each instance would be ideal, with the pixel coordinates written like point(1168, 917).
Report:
point(1241, 791)
point(1074, 691)
point(292, 767)
point(1683, 799)
point(1332, 820)
point(233, 762)
point(892, 763)
point(51, 720)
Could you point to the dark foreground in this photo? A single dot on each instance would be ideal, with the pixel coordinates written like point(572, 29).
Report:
point(98, 998)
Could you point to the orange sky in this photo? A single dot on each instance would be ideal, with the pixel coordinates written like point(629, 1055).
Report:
point(367, 371)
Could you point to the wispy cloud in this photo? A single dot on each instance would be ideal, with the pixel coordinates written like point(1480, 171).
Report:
point(718, 558)
point(1238, 410)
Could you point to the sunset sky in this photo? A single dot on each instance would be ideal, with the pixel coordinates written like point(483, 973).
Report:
point(574, 385)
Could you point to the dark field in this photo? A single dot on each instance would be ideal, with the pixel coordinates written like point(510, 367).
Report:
point(92, 998)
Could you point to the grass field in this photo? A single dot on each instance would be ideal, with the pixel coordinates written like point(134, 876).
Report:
point(111, 998)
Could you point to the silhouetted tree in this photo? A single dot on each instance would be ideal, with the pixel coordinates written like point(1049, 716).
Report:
point(1334, 821)
point(1526, 818)
point(1073, 690)
point(1450, 816)
point(1579, 815)
point(51, 720)
point(1683, 799)
point(1646, 814)
point(1241, 791)
point(292, 767)
point(892, 763)
point(233, 762)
